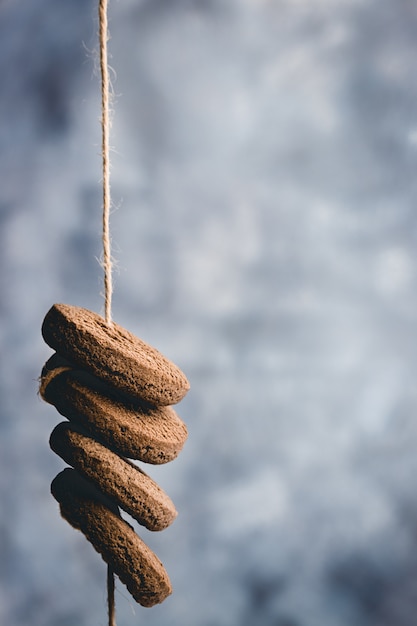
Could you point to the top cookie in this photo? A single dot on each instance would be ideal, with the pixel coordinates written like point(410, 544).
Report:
point(114, 355)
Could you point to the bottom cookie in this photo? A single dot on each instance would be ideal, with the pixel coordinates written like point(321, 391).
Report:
point(86, 509)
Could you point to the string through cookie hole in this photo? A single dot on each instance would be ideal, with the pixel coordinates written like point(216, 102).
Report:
point(107, 261)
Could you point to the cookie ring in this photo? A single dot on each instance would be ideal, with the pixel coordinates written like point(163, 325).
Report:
point(130, 558)
point(136, 430)
point(114, 355)
point(127, 485)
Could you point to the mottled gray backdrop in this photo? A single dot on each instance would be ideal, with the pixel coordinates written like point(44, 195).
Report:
point(265, 230)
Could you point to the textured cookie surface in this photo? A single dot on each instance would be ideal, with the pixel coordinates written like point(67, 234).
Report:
point(130, 558)
point(113, 354)
point(133, 429)
point(123, 482)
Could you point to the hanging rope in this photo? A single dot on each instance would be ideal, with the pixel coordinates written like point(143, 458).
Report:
point(107, 262)
point(110, 597)
point(105, 126)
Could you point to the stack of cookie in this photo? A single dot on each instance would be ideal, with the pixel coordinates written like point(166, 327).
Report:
point(116, 391)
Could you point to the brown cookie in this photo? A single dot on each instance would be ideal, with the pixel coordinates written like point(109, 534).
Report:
point(129, 557)
point(113, 354)
point(131, 428)
point(123, 482)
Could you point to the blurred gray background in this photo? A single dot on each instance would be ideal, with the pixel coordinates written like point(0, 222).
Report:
point(265, 232)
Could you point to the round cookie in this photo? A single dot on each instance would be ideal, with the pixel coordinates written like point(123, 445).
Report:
point(130, 558)
point(133, 429)
point(113, 354)
point(123, 482)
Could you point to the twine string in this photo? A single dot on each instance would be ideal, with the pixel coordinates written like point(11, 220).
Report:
point(111, 606)
point(105, 148)
point(107, 262)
